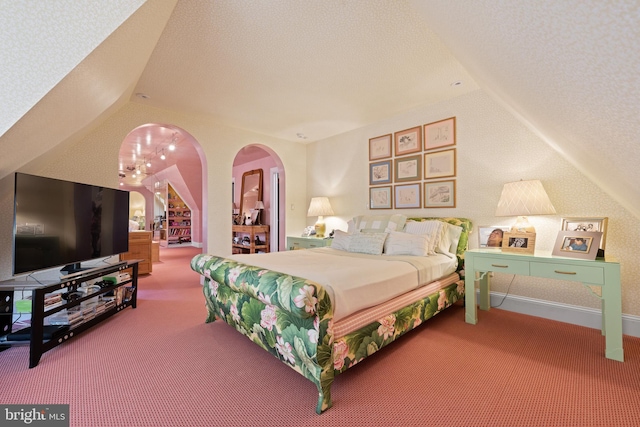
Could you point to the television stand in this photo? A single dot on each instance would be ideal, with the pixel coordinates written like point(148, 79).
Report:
point(86, 309)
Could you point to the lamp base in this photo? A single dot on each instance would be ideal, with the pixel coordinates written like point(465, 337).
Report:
point(522, 225)
point(320, 228)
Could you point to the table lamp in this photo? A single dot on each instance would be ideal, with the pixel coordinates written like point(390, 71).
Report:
point(320, 207)
point(523, 198)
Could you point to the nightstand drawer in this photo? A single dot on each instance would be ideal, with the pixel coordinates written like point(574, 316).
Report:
point(575, 273)
point(509, 266)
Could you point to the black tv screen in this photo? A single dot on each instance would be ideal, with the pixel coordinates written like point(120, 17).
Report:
point(62, 223)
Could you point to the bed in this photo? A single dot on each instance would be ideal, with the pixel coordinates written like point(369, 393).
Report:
point(308, 308)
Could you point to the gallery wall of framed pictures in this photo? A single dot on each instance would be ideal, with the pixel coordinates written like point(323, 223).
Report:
point(414, 168)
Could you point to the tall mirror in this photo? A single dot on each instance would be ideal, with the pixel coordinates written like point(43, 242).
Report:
point(251, 191)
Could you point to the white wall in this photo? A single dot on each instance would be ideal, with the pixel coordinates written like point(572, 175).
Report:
point(492, 148)
point(93, 158)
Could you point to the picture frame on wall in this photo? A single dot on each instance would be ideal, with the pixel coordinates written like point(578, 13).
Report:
point(380, 172)
point(524, 243)
point(577, 244)
point(407, 196)
point(491, 236)
point(380, 197)
point(440, 194)
point(440, 134)
point(587, 224)
point(408, 168)
point(440, 164)
point(380, 147)
point(408, 141)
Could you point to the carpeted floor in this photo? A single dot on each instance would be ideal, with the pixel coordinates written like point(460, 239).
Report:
point(161, 365)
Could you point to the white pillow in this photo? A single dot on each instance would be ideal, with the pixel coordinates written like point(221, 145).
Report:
point(398, 243)
point(341, 240)
point(367, 243)
point(433, 229)
point(380, 223)
point(449, 239)
point(351, 226)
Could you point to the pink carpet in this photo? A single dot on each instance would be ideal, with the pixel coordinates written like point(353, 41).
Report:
point(161, 365)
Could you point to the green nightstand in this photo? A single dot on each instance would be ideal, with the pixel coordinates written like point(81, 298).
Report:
point(294, 243)
point(602, 273)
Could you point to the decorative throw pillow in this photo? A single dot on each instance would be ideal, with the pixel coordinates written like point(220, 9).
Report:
point(380, 223)
point(433, 229)
point(450, 238)
point(341, 240)
point(367, 243)
point(399, 243)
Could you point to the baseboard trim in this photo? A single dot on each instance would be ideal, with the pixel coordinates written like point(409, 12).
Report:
point(576, 315)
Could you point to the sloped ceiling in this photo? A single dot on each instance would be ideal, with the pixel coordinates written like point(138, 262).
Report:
point(91, 89)
point(569, 69)
point(304, 71)
point(42, 42)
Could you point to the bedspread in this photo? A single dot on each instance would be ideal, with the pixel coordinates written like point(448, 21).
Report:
point(355, 281)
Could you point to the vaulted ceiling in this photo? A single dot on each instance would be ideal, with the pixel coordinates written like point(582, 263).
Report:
point(304, 71)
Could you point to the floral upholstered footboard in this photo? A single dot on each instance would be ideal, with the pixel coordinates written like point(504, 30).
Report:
point(291, 318)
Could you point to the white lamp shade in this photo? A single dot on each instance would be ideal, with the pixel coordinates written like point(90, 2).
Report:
point(523, 198)
point(319, 206)
point(138, 212)
point(259, 205)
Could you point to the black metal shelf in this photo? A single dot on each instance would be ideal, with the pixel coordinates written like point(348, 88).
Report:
point(38, 344)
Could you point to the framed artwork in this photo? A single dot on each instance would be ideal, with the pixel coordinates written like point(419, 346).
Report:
point(380, 197)
point(408, 141)
point(408, 168)
point(380, 147)
point(440, 134)
point(407, 196)
point(440, 164)
point(440, 194)
point(587, 224)
point(577, 244)
point(380, 172)
point(524, 243)
point(491, 236)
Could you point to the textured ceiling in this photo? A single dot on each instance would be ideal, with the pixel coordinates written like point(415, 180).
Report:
point(281, 68)
point(570, 69)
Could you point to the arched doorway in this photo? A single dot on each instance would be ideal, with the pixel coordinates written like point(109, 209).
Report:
point(154, 156)
point(254, 157)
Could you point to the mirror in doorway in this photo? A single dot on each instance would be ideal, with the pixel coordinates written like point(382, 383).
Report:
point(251, 193)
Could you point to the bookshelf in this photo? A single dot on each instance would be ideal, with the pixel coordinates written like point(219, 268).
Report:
point(178, 218)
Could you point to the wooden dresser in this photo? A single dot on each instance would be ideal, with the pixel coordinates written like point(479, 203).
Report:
point(140, 248)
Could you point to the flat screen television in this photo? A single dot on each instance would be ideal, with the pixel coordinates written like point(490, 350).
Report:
point(62, 223)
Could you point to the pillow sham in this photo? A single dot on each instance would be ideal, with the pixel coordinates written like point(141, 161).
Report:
point(399, 243)
point(367, 243)
point(341, 240)
point(433, 229)
point(380, 223)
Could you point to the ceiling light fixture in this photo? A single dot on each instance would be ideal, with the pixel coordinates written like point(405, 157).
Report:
point(457, 83)
point(142, 95)
point(162, 156)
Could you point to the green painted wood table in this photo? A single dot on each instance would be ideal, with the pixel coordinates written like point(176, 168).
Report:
point(602, 273)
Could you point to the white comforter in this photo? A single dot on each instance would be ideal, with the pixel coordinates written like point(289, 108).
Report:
point(355, 281)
